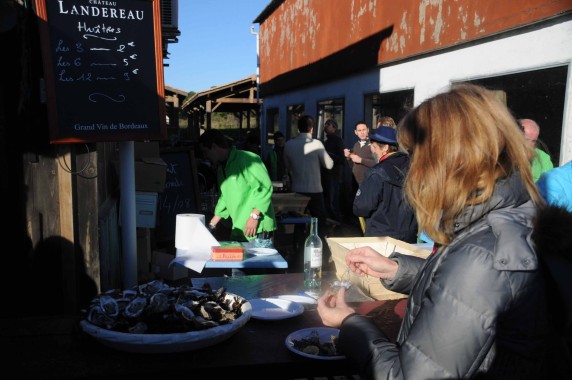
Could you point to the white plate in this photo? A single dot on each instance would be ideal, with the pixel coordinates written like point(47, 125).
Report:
point(261, 251)
point(325, 334)
point(274, 308)
point(300, 299)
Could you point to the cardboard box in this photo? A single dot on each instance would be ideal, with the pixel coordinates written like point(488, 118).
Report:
point(150, 168)
point(145, 149)
point(289, 202)
point(385, 246)
point(161, 269)
point(146, 209)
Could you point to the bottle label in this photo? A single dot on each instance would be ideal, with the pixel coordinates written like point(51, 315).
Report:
point(316, 257)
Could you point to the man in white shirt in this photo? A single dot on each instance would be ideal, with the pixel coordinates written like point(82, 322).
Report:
point(303, 157)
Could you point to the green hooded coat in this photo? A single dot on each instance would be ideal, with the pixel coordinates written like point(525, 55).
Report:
point(245, 185)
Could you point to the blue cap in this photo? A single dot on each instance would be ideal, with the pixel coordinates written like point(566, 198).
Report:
point(385, 135)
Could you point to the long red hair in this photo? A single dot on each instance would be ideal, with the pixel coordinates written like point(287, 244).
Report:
point(461, 142)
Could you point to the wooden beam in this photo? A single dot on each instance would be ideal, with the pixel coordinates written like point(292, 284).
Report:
point(66, 194)
point(67, 236)
point(236, 101)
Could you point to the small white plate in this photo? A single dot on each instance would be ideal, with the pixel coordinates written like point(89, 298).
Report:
point(325, 334)
point(300, 299)
point(261, 251)
point(274, 308)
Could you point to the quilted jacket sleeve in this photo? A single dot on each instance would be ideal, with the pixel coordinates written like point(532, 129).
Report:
point(449, 328)
point(406, 272)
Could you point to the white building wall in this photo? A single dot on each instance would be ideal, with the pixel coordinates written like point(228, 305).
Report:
point(546, 47)
point(539, 49)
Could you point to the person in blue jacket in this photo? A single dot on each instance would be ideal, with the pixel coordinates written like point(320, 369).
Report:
point(380, 198)
point(555, 186)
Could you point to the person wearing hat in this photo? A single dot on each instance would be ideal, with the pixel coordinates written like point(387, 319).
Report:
point(380, 199)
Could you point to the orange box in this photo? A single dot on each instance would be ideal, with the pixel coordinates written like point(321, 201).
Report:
point(227, 253)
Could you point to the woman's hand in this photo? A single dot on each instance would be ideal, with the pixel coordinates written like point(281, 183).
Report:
point(215, 219)
point(250, 227)
point(333, 309)
point(367, 261)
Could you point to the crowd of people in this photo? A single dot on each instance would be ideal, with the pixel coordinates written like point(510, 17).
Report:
point(493, 300)
point(378, 165)
point(480, 305)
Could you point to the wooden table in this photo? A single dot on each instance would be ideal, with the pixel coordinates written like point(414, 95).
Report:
point(289, 202)
point(55, 348)
point(259, 286)
point(293, 222)
point(290, 208)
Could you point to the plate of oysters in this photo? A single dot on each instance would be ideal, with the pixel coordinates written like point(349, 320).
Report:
point(315, 343)
point(158, 318)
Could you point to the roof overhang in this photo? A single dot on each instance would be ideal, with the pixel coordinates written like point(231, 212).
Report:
point(232, 97)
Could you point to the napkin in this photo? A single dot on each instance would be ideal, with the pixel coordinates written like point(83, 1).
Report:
point(193, 242)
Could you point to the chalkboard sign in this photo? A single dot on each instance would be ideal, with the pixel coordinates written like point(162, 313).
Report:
point(181, 194)
point(103, 66)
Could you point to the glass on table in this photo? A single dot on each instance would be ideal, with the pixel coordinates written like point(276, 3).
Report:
point(263, 240)
point(343, 282)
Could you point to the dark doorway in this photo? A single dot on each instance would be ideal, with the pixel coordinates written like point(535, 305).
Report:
point(537, 95)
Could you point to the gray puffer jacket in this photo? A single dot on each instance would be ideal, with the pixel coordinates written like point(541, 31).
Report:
point(476, 306)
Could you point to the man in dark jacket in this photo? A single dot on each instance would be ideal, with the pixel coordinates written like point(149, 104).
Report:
point(332, 178)
point(380, 197)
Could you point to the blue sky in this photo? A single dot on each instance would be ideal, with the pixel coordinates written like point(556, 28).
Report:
point(215, 46)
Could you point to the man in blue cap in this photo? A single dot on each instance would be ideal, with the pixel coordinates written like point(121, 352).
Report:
point(380, 199)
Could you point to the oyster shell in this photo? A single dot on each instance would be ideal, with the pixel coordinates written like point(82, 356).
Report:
point(109, 305)
point(158, 303)
point(136, 307)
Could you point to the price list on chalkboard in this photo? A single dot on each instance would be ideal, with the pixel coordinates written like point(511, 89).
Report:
point(104, 70)
point(180, 194)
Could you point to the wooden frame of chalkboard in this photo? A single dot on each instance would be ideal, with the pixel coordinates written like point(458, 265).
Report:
point(181, 193)
point(103, 68)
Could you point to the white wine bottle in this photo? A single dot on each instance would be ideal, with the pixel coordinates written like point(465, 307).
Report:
point(313, 261)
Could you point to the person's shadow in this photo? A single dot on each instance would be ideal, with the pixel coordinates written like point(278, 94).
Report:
point(58, 283)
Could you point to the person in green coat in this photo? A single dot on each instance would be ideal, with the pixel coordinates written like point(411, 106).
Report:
point(542, 161)
point(245, 188)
